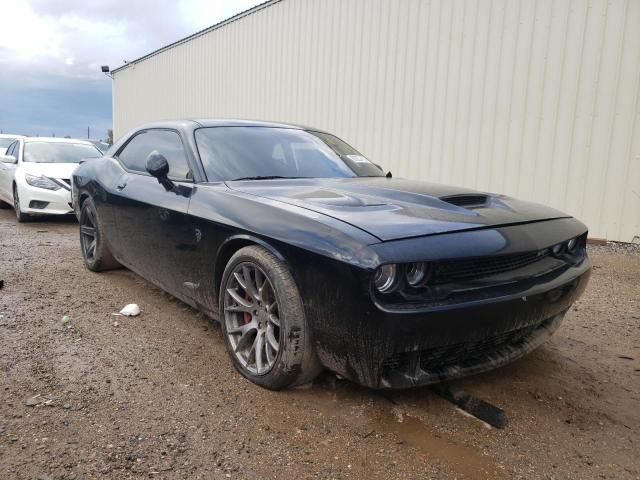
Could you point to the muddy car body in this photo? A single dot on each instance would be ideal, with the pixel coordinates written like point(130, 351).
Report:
point(399, 283)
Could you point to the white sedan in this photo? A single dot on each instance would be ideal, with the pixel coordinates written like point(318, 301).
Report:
point(35, 173)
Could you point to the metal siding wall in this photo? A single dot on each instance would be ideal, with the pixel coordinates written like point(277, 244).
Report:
point(533, 98)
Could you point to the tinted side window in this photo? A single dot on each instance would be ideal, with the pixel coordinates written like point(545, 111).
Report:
point(168, 143)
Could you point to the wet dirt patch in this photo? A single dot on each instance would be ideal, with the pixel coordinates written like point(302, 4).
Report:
point(377, 414)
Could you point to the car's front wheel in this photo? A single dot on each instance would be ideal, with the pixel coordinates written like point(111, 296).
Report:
point(95, 252)
point(22, 217)
point(263, 321)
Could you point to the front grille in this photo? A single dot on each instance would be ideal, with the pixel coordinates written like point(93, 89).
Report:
point(62, 182)
point(462, 280)
point(469, 353)
point(466, 200)
point(455, 270)
point(463, 354)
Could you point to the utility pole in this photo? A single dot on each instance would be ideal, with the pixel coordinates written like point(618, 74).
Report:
point(88, 132)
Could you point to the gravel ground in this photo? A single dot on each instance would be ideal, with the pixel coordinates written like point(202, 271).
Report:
point(618, 248)
point(156, 396)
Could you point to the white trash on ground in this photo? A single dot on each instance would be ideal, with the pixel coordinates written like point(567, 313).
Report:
point(131, 310)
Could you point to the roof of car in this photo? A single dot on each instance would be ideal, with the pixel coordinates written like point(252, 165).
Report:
point(237, 122)
point(10, 135)
point(219, 122)
point(56, 140)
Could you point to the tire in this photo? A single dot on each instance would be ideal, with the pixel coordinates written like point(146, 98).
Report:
point(4, 205)
point(251, 311)
point(95, 253)
point(22, 217)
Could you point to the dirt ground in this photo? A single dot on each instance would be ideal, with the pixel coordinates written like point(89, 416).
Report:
point(157, 397)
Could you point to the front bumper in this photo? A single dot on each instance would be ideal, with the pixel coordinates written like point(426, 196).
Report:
point(39, 201)
point(400, 350)
point(382, 347)
point(448, 362)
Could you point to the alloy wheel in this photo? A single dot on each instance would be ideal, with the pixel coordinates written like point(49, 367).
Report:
point(88, 234)
point(251, 315)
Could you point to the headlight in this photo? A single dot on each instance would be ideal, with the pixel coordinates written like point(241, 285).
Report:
point(416, 273)
point(571, 245)
point(41, 182)
point(385, 278)
point(557, 249)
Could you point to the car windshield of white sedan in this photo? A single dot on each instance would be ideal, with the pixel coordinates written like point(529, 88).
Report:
point(254, 153)
point(50, 152)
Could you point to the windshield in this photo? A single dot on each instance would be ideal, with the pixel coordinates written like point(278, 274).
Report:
point(234, 153)
point(102, 146)
point(50, 152)
point(6, 141)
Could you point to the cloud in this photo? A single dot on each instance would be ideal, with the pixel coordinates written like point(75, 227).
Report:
point(62, 106)
point(52, 48)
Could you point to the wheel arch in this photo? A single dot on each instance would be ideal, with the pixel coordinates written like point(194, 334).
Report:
point(14, 189)
point(82, 198)
point(230, 246)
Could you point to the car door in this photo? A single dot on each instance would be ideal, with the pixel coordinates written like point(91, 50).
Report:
point(153, 229)
point(7, 171)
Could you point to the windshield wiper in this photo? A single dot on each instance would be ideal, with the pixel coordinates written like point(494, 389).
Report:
point(262, 177)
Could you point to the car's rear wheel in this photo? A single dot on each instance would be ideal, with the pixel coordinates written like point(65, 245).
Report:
point(22, 217)
point(263, 321)
point(95, 252)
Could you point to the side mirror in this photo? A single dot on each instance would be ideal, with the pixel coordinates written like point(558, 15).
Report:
point(8, 159)
point(158, 167)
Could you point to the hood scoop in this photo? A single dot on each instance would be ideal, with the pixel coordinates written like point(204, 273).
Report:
point(335, 198)
point(466, 201)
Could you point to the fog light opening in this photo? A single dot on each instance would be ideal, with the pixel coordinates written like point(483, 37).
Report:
point(38, 204)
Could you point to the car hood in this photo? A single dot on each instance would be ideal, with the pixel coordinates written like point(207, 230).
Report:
point(392, 208)
point(53, 170)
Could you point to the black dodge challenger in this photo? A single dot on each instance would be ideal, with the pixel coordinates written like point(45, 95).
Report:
point(311, 257)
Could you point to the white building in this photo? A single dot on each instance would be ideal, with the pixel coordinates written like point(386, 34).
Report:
point(533, 98)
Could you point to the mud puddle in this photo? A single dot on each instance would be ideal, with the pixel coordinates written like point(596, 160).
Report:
point(372, 413)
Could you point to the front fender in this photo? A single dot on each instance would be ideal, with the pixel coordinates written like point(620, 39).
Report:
point(281, 223)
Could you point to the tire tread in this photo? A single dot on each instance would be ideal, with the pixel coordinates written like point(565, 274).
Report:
point(104, 259)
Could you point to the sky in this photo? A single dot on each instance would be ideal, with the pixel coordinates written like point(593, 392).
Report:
point(51, 52)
